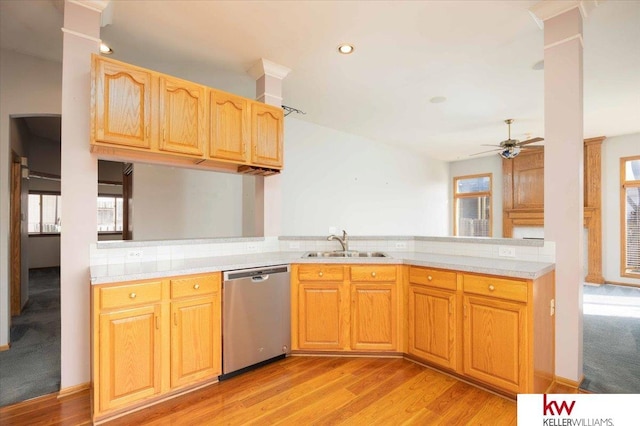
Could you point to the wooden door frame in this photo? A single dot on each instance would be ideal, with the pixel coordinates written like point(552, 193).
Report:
point(15, 259)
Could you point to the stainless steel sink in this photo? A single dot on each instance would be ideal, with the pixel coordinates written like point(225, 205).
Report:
point(345, 254)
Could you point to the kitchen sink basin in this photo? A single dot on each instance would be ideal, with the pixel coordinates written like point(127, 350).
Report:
point(345, 254)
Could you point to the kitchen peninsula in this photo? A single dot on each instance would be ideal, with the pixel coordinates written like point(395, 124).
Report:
point(451, 303)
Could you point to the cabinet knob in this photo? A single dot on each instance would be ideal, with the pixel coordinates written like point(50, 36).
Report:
point(373, 274)
point(197, 286)
point(320, 273)
point(491, 287)
point(132, 295)
point(429, 277)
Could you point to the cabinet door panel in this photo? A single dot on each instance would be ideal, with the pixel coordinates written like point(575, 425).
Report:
point(432, 325)
point(495, 342)
point(322, 316)
point(266, 135)
point(230, 121)
point(373, 316)
point(129, 356)
point(195, 337)
point(182, 116)
point(122, 105)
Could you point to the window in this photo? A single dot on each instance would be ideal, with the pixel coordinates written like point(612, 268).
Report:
point(44, 213)
point(472, 206)
point(109, 213)
point(630, 216)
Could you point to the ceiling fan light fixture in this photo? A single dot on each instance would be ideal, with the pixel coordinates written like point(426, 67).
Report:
point(346, 48)
point(510, 152)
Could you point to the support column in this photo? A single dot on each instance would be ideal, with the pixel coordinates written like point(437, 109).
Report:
point(268, 203)
point(79, 188)
point(563, 174)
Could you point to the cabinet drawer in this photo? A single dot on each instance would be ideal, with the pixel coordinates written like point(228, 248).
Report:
point(373, 273)
point(194, 286)
point(130, 294)
point(320, 273)
point(496, 287)
point(433, 277)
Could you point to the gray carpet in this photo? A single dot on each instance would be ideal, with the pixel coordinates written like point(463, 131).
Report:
point(611, 339)
point(31, 367)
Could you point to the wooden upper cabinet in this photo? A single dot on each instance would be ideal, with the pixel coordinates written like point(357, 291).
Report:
point(183, 124)
point(122, 104)
point(138, 115)
point(266, 135)
point(230, 121)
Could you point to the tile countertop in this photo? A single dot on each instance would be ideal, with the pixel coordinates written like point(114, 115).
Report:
point(129, 271)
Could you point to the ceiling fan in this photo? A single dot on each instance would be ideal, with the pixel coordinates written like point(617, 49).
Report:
point(510, 148)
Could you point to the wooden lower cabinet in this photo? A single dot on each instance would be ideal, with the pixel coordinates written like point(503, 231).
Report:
point(195, 340)
point(322, 319)
point(496, 342)
point(130, 346)
point(345, 307)
point(495, 330)
point(374, 318)
point(432, 325)
point(151, 338)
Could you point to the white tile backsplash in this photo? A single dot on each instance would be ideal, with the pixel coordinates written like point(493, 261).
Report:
point(174, 252)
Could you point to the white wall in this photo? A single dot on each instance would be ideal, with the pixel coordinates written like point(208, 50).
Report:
point(612, 150)
point(172, 203)
point(332, 178)
point(28, 86)
point(474, 166)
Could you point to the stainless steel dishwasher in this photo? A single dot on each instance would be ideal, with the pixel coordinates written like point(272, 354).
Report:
point(255, 318)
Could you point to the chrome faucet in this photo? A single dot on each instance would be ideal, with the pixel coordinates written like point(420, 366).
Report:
point(344, 242)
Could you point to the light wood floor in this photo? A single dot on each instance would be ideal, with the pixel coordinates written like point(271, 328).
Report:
point(304, 391)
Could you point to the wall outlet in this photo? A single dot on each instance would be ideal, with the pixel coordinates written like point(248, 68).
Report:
point(134, 254)
point(252, 247)
point(294, 245)
point(507, 251)
point(401, 244)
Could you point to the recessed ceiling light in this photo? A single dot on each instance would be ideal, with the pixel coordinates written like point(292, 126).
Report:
point(437, 99)
point(346, 48)
point(105, 50)
point(538, 66)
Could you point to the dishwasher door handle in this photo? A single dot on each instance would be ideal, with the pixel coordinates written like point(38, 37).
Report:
point(259, 278)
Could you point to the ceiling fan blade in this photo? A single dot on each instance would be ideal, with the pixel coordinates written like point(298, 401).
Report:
point(498, 146)
point(532, 147)
point(484, 152)
point(527, 142)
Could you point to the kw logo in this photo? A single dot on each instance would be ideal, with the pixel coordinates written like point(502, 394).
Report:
point(552, 408)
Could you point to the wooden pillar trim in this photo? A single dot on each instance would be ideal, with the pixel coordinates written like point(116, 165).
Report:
point(593, 200)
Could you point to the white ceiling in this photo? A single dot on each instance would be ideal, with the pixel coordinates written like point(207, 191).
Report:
point(478, 54)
